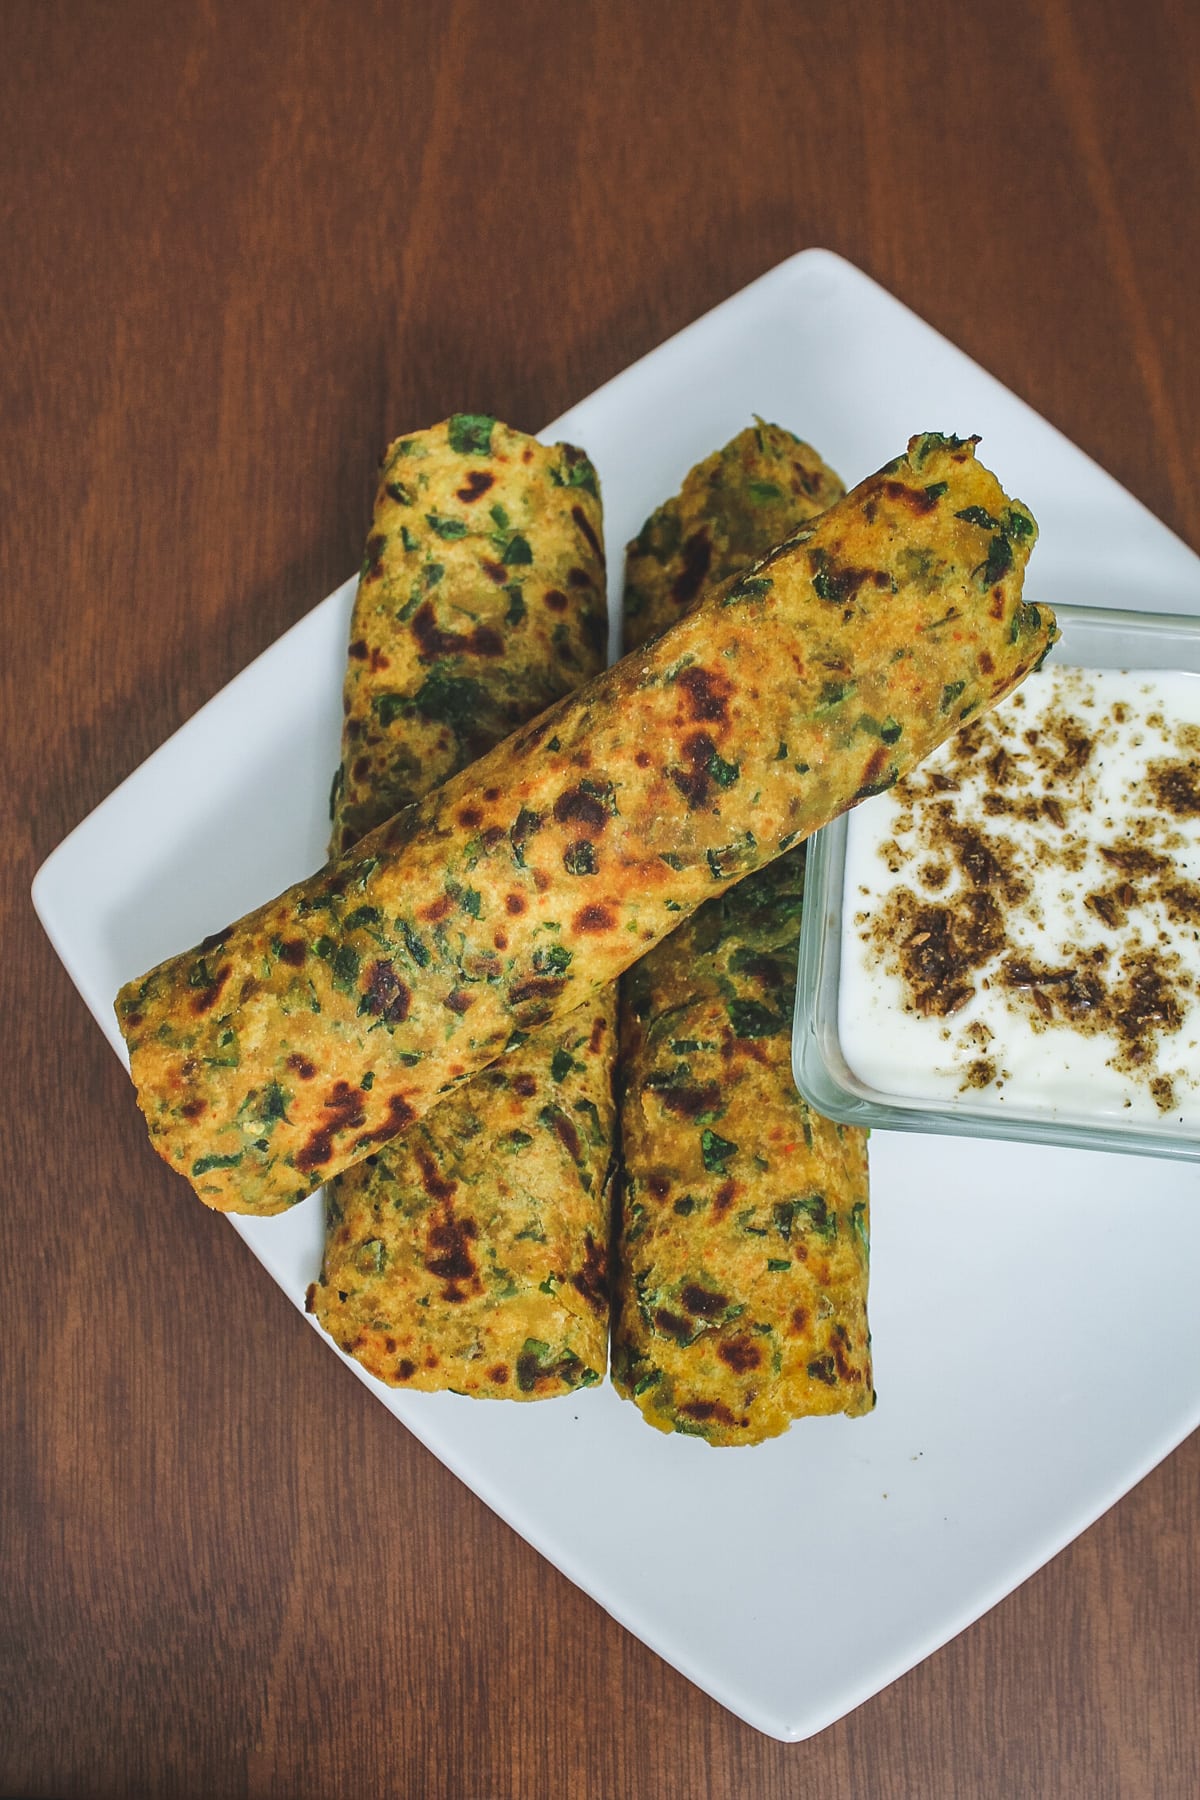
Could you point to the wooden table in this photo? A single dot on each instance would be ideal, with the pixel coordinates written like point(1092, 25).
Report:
point(244, 244)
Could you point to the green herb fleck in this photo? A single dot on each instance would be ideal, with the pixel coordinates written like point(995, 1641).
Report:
point(998, 561)
point(371, 1256)
point(579, 858)
point(344, 964)
point(534, 1352)
point(579, 474)
point(817, 1212)
point(833, 693)
point(890, 731)
point(389, 707)
point(446, 699)
point(715, 1151)
point(413, 944)
point(516, 551)
point(524, 826)
point(471, 433)
point(751, 1019)
point(976, 515)
point(749, 588)
point(204, 1164)
point(928, 442)
point(362, 915)
point(602, 791)
point(272, 1103)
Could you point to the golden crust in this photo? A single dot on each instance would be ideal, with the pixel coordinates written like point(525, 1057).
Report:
point(535, 877)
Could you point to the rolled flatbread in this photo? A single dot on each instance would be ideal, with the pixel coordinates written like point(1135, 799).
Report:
point(742, 1247)
point(291, 1045)
point(470, 1252)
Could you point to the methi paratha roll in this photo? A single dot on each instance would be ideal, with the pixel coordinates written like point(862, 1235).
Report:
point(471, 1251)
point(481, 600)
point(742, 1257)
point(742, 1247)
point(730, 510)
point(291, 1045)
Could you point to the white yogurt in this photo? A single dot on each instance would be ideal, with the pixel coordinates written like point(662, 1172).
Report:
point(1021, 916)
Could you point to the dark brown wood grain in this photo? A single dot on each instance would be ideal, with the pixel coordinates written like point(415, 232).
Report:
point(243, 246)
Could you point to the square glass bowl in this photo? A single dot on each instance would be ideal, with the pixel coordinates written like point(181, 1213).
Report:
point(1093, 639)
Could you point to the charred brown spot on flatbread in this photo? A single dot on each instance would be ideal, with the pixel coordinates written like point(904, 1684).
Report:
point(740, 1354)
point(448, 1253)
point(695, 562)
point(385, 994)
point(708, 692)
point(343, 1109)
point(478, 482)
point(593, 919)
point(592, 1279)
point(434, 641)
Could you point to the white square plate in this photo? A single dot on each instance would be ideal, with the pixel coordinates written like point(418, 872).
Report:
point(793, 1580)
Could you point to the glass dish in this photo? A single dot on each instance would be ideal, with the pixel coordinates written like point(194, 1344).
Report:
point(1092, 638)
